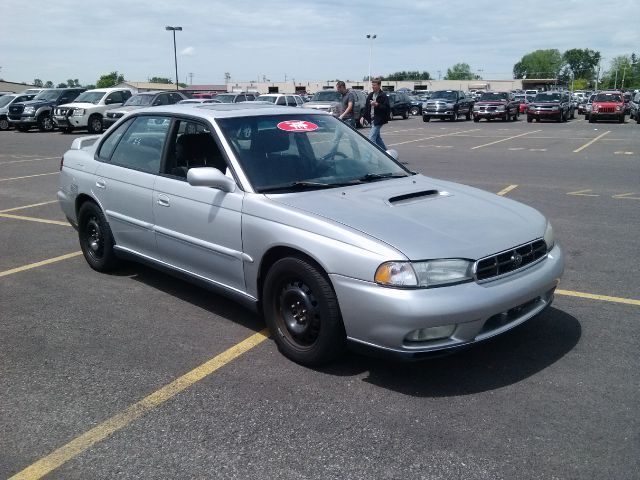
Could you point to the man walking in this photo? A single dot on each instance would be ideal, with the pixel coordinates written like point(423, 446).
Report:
point(376, 112)
point(348, 104)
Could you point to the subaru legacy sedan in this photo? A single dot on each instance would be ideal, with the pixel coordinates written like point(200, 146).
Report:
point(301, 218)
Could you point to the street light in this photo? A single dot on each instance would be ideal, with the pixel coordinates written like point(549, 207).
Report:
point(175, 56)
point(370, 37)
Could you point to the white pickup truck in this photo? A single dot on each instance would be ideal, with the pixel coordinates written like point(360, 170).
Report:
point(88, 109)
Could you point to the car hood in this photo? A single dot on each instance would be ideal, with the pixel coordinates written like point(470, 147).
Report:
point(426, 218)
point(320, 104)
point(80, 105)
point(128, 108)
point(35, 103)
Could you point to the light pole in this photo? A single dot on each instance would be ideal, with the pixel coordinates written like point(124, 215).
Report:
point(175, 56)
point(370, 37)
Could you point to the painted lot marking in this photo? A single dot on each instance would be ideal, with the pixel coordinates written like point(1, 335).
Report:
point(39, 264)
point(504, 191)
point(27, 206)
point(623, 153)
point(34, 219)
point(627, 196)
point(432, 137)
point(120, 420)
point(30, 160)
point(505, 139)
point(578, 150)
point(28, 176)
point(583, 193)
point(604, 298)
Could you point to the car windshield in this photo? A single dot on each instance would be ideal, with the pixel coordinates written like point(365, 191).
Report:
point(267, 98)
point(139, 100)
point(444, 95)
point(48, 95)
point(226, 97)
point(281, 154)
point(547, 97)
point(494, 96)
point(6, 100)
point(90, 97)
point(608, 97)
point(327, 96)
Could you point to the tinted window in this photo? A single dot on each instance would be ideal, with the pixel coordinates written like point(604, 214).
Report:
point(291, 102)
point(240, 98)
point(175, 97)
point(162, 99)
point(141, 146)
point(115, 97)
point(107, 147)
point(280, 101)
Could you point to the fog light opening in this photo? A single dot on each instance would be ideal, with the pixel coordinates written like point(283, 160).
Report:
point(430, 333)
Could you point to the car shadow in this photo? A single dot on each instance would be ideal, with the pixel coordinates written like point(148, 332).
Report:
point(495, 363)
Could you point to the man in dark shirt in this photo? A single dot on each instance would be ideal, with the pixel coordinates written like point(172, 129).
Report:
point(376, 112)
point(348, 104)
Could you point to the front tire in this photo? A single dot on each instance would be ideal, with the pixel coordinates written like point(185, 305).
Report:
point(4, 124)
point(302, 312)
point(96, 239)
point(415, 111)
point(45, 123)
point(95, 124)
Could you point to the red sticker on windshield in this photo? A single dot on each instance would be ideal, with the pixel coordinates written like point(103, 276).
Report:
point(297, 126)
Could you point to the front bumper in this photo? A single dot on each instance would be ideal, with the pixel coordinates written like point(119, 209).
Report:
point(429, 112)
point(379, 317)
point(108, 121)
point(72, 121)
point(544, 113)
point(489, 114)
point(22, 120)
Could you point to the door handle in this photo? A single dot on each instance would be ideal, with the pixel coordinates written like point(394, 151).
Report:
point(100, 183)
point(163, 201)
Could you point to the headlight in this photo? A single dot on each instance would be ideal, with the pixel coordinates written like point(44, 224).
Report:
point(29, 110)
point(78, 112)
point(549, 238)
point(618, 108)
point(430, 273)
point(555, 109)
point(500, 108)
point(450, 105)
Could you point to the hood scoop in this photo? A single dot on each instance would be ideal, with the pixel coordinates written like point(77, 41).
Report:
point(416, 197)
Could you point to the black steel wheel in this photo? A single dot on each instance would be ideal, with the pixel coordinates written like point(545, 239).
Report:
point(302, 312)
point(96, 240)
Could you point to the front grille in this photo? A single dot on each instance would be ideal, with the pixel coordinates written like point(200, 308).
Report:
point(606, 110)
point(114, 115)
point(16, 109)
point(510, 260)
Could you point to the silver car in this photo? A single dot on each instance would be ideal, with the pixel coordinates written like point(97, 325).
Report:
point(300, 217)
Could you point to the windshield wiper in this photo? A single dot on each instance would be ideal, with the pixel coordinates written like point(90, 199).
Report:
point(371, 177)
point(297, 186)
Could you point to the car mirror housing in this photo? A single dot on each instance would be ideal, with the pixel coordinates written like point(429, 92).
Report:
point(210, 177)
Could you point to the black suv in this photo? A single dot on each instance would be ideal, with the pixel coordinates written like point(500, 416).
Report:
point(39, 111)
point(400, 104)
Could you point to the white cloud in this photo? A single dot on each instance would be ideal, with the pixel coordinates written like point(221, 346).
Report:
point(188, 52)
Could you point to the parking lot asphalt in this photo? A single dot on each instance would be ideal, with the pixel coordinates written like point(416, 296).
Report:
point(138, 375)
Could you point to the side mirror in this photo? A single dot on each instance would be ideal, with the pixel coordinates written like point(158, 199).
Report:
point(393, 153)
point(210, 177)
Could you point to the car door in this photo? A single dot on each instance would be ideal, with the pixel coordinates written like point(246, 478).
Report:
point(198, 229)
point(129, 164)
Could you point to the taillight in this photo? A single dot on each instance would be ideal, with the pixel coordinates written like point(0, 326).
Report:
point(61, 162)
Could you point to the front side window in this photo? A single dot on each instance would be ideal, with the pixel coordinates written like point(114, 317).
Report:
point(90, 97)
point(140, 148)
point(114, 97)
point(295, 152)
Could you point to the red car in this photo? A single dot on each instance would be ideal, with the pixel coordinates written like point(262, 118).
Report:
point(607, 106)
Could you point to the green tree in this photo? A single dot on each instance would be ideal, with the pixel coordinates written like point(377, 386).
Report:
point(109, 80)
point(62, 85)
point(539, 64)
point(460, 71)
point(73, 83)
point(160, 80)
point(412, 75)
point(38, 83)
point(48, 84)
point(621, 69)
point(582, 63)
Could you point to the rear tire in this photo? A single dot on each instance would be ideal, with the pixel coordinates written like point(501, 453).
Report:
point(302, 312)
point(415, 111)
point(426, 118)
point(96, 239)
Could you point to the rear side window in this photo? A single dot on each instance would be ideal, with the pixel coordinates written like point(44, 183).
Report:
point(140, 148)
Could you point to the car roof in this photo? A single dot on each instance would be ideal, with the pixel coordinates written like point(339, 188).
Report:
point(107, 89)
point(212, 111)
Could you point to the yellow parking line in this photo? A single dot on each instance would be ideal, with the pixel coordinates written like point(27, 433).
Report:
point(591, 141)
point(505, 139)
point(39, 264)
point(506, 190)
point(28, 176)
point(34, 219)
point(432, 137)
point(605, 298)
point(120, 420)
point(27, 206)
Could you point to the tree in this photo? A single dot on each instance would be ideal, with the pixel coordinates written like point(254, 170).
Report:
point(582, 63)
point(539, 64)
point(621, 68)
point(38, 83)
point(62, 85)
point(460, 71)
point(160, 80)
point(109, 80)
point(413, 75)
point(48, 84)
point(73, 83)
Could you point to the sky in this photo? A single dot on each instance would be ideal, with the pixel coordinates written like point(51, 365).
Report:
point(298, 40)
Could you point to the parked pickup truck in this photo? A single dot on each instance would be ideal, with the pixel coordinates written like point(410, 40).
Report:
point(496, 105)
point(38, 112)
point(448, 105)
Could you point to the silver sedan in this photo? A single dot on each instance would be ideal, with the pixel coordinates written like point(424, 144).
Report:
point(300, 217)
